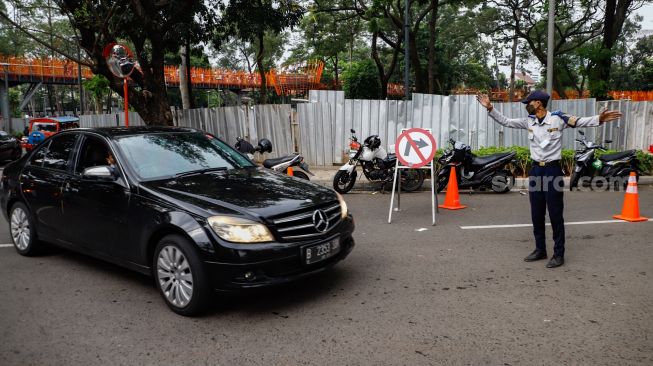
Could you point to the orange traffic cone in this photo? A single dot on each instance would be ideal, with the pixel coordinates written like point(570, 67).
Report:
point(452, 199)
point(630, 212)
point(290, 171)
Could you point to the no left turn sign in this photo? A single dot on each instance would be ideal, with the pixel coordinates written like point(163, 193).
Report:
point(415, 147)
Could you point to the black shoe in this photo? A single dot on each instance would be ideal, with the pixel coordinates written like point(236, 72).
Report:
point(535, 256)
point(556, 261)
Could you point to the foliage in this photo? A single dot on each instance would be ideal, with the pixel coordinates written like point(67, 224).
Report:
point(14, 102)
point(645, 160)
point(360, 81)
point(98, 86)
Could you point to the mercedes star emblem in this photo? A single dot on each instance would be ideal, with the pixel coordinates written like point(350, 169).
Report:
point(321, 221)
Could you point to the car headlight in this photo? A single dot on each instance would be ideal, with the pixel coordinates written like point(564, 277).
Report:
point(239, 230)
point(343, 206)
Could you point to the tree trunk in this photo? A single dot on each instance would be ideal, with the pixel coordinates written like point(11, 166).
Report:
point(615, 15)
point(335, 69)
point(379, 66)
point(260, 55)
point(557, 86)
point(420, 84)
point(432, 72)
point(189, 74)
point(183, 79)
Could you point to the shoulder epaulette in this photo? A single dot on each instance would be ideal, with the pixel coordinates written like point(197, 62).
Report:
point(566, 118)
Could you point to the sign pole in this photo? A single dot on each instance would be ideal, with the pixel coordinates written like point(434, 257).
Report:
point(126, 92)
point(392, 197)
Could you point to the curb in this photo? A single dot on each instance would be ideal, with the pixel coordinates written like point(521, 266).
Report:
point(362, 185)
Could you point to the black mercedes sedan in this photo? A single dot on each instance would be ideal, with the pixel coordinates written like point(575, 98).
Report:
point(175, 203)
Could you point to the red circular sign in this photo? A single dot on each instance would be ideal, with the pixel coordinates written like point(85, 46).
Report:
point(415, 147)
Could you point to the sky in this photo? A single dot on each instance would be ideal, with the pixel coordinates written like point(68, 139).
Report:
point(647, 12)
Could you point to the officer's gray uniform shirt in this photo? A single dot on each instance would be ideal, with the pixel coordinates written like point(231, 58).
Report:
point(545, 138)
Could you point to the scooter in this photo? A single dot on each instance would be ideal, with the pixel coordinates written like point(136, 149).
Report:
point(377, 164)
point(283, 164)
point(614, 168)
point(476, 172)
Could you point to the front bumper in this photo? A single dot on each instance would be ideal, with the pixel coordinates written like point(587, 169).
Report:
point(274, 267)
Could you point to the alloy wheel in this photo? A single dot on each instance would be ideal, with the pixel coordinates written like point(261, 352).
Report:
point(175, 276)
point(20, 230)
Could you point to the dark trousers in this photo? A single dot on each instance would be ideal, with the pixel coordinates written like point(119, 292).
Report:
point(545, 190)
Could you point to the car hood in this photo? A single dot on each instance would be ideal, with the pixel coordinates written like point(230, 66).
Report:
point(258, 192)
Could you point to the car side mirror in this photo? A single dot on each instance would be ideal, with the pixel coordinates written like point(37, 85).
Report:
point(103, 172)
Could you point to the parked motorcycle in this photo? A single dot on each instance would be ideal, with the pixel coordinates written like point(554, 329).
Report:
point(377, 165)
point(476, 172)
point(608, 166)
point(278, 164)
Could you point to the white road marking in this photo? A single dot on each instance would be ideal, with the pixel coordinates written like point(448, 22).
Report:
point(548, 224)
point(6, 245)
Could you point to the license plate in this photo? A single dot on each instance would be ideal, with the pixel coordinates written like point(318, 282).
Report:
point(320, 252)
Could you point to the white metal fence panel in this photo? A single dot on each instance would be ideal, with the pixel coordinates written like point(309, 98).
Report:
point(110, 120)
point(457, 116)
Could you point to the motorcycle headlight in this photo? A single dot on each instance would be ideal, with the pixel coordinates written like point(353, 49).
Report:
point(239, 230)
point(343, 206)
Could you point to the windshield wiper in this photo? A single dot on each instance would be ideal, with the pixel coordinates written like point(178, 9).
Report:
point(200, 171)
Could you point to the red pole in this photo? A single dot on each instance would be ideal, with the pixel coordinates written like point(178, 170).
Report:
point(126, 92)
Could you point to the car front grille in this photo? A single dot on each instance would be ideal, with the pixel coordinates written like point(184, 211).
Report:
point(299, 225)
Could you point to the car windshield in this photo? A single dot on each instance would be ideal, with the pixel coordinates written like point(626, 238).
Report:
point(165, 155)
point(48, 127)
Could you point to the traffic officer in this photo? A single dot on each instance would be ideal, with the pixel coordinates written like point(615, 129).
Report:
point(545, 184)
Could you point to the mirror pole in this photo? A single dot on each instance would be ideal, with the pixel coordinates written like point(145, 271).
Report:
point(126, 92)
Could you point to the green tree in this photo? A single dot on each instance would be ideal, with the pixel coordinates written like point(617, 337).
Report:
point(614, 17)
point(151, 28)
point(98, 86)
point(360, 81)
point(251, 20)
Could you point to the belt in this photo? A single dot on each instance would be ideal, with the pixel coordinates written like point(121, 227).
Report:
point(546, 163)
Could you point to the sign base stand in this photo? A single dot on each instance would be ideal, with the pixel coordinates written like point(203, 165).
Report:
point(396, 187)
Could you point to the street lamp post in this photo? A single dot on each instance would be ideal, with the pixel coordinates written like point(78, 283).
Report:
point(79, 77)
point(550, 46)
point(406, 54)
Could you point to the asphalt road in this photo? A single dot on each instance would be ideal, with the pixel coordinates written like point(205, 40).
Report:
point(409, 294)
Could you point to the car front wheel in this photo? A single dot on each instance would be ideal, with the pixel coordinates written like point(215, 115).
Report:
point(180, 276)
point(23, 233)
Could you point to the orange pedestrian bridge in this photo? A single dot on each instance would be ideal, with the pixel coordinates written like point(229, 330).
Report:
point(290, 80)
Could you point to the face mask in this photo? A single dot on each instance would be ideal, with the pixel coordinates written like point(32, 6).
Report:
point(530, 109)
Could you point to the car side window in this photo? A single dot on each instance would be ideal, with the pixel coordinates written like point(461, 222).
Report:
point(39, 156)
point(94, 152)
point(58, 153)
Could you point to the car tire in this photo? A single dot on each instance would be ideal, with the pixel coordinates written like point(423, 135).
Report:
point(180, 276)
point(22, 230)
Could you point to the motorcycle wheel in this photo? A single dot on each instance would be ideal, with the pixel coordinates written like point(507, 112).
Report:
point(412, 180)
point(301, 175)
point(505, 180)
point(625, 181)
point(343, 182)
point(573, 180)
point(442, 182)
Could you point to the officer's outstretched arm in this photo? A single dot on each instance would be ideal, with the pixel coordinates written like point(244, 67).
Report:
point(593, 121)
point(498, 116)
